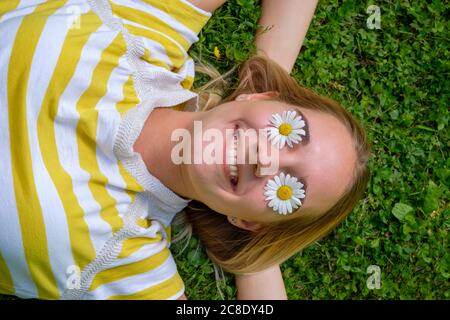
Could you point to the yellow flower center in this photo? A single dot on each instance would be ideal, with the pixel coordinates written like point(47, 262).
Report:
point(285, 129)
point(284, 192)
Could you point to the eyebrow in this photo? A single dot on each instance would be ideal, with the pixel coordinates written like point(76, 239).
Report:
point(306, 138)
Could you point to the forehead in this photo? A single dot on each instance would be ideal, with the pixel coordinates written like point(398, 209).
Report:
point(327, 162)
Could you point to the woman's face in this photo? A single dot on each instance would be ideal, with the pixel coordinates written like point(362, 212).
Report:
point(324, 164)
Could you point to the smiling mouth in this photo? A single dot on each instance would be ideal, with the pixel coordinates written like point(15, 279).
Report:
point(232, 160)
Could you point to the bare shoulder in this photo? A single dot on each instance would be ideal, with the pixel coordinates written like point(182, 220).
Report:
point(207, 5)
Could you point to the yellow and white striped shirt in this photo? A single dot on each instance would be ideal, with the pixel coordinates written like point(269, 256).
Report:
point(80, 216)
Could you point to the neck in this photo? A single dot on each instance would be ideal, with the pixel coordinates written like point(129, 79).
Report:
point(155, 146)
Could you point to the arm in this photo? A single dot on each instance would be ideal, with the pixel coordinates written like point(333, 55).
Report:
point(255, 286)
point(288, 21)
point(265, 285)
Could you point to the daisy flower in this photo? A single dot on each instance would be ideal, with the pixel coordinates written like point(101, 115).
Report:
point(284, 193)
point(288, 128)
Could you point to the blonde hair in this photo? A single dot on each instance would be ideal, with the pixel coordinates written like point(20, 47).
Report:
point(240, 251)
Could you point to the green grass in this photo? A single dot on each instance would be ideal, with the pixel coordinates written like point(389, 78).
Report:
point(396, 82)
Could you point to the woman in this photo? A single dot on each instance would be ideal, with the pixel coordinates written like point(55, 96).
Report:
point(89, 186)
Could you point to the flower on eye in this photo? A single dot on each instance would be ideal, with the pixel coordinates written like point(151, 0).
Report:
point(288, 128)
point(284, 193)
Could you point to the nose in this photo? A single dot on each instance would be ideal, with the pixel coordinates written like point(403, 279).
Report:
point(269, 159)
point(258, 172)
point(276, 160)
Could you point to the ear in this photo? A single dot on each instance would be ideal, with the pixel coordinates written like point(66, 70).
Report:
point(245, 224)
point(257, 96)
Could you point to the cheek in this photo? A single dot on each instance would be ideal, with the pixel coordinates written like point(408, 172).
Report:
point(254, 202)
point(199, 174)
point(201, 177)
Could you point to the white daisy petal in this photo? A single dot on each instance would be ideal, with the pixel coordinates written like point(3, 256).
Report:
point(275, 140)
point(291, 183)
point(298, 123)
point(272, 184)
point(277, 180)
point(279, 145)
point(272, 202)
point(291, 116)
point(295, 137)
point(273, 131)
point(289, 206)
point(286, 211)
point(276, 120)
point(296, 132)
point(276, 206)
point(273, 118)
point(295, 205)
point(302, 132)
point(289, 142)
point(282, 141)
point(284, 205)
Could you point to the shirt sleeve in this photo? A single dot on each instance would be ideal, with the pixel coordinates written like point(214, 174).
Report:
point(167, 29)
point(144, 270)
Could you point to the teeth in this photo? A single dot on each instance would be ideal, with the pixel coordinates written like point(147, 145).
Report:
point(233, 171)
point(232, 157)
